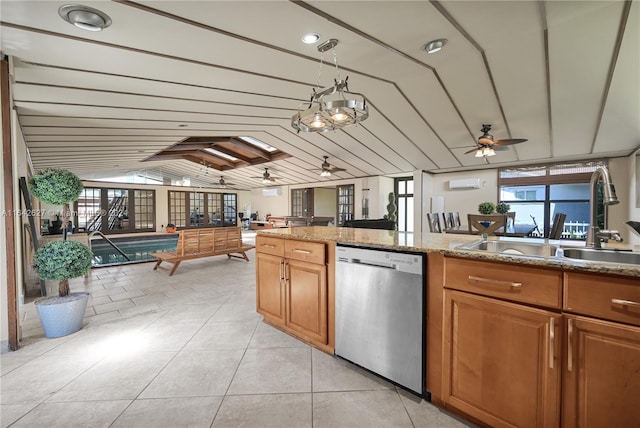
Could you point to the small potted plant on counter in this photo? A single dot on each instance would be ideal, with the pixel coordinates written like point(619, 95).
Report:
point(486, 208)
point(61, 260)
point(503, 208)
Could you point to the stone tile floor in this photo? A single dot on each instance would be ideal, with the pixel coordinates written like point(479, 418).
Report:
point(189, 351)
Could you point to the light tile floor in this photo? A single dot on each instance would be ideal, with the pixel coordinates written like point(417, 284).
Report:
point(189, 351)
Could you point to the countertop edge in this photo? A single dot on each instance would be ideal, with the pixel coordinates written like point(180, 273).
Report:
point(444, 244)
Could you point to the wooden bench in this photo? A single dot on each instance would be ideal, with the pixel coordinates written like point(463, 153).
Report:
point(198, 243)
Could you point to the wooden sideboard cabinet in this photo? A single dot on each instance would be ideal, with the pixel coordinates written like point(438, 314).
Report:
point(502, 327)
point(601, 368)
point(292, 288)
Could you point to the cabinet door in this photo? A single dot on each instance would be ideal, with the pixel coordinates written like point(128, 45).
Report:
point(270, 295)
point(601, 383)
point(501, 362)
point(307, 299)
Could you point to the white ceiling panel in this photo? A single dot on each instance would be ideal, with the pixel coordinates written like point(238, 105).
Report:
point(562, 74)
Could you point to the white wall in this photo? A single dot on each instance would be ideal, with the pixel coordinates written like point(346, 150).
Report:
point(274, 205)
point(622, 176)
point(465, 201)
point(325, 202)
point(634, 195)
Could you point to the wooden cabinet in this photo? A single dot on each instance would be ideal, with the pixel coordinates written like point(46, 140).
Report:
point(292, 291)
point(528, 346)
point(601, 380)
point(270, 290)
point(306, 299)
point(501, 363)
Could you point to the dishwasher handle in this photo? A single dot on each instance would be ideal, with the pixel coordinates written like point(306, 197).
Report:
point(355, 261)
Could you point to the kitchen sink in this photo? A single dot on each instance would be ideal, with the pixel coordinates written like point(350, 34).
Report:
point(509, 247)
point(608, 256)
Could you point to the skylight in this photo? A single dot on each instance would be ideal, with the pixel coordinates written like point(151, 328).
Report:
point(258, 143)
point(222, 155)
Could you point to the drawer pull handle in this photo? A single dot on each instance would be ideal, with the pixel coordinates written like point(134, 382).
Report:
point(268, 246)
point(552, 339)
point(495, 281)
point(625, 302)
point(570, 345)
point(295, 250)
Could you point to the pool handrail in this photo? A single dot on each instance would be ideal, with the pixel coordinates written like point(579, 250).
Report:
point(115, 247)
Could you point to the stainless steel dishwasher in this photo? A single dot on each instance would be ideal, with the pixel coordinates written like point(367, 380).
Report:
point(380, 313)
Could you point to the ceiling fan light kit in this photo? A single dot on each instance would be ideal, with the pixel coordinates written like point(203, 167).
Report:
point(486, 144)
point(330, 108)
point(326, 168)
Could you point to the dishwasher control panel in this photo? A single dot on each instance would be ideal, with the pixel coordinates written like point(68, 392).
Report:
point(403, 262)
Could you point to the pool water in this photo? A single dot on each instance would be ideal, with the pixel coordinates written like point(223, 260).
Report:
point(137, 248)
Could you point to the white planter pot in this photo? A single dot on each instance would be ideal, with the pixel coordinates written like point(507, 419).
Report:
point(61, 316)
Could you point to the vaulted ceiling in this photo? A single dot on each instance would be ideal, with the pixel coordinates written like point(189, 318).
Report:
point(562, 74)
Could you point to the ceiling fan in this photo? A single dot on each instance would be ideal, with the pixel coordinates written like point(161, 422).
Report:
point(487, 145)
point(327, 168)
point(267, 177)
point(223, 183)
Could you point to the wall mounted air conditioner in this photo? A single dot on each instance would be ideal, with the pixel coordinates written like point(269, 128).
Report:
point(272, 191)
point(464, 183)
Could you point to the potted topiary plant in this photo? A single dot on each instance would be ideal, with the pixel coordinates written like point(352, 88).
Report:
point(486, 208)
point(392, 208)
point(61, 260)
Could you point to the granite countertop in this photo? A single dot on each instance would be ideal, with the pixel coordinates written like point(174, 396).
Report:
point(446, 244)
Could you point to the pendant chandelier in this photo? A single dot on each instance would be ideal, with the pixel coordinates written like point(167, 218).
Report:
point(333, 107)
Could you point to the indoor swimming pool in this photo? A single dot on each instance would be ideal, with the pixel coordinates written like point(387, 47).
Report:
point(137, 248)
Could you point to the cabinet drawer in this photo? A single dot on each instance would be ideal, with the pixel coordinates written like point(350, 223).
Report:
point(608, 297)
point(312, 252)
point(511, 282)
point(269, 245)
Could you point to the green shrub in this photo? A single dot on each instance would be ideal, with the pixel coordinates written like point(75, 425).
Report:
point(503, 208)
point(56, 186)
point(60, 260)
point(486, 208)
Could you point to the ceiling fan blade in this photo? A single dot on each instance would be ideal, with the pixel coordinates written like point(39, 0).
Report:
point(475, 149)
point(508, 142)
point(335, 169)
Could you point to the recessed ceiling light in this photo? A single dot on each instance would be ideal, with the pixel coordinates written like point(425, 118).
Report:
point(311, 38)
point(434, 45)
point(84, 17)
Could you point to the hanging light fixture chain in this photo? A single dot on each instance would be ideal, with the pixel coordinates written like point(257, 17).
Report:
point(320, 71)
point(335, 61)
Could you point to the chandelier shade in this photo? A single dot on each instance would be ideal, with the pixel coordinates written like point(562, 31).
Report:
point(333, 107)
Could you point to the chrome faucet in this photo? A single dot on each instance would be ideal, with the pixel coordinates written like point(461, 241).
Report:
point(595, 234)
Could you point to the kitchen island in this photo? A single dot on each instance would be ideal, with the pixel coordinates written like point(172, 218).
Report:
point(509, 336)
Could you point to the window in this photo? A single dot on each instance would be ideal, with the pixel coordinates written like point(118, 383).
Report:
point(404, 201)
point(118, 207)
point(214, 208)
point(202, 209)
point(537, 193)
point(144, 208)
point(345, 203)
point(302, 202)
point(178, 208)
point(88, 208)
point(110, 210)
